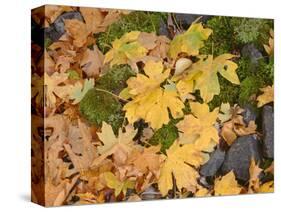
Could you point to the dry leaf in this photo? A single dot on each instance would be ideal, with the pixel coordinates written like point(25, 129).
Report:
point(77, 30)
point(199, 127)
point(92, 62)
point(227, 185)
point(267, 96)
point(178, 163)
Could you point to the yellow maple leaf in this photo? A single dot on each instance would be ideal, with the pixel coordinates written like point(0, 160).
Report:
point(267, 96)
point(150, 101)
point(119, 146)
point(199, 127)
point(125, 49)
point(202, 76)
point(267, 187)
point(113, 182)
point(179, 162)
point(227, 185)
point(190, 41)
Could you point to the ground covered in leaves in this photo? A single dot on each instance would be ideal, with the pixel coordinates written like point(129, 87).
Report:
point(130, 105)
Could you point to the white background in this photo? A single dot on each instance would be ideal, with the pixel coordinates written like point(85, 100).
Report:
point(15, 103)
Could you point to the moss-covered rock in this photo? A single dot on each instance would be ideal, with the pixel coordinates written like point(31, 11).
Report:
point(231, 33)
point(114, 80)
point(165, 136)
point(139, 21)
point(249, 87)
point(98, 106)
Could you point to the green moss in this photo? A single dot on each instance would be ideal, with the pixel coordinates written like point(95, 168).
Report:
point(266, 71)
point(230, 33)
point(98, 106)
point(251, 30)
point(165, 136)
point(221, 40)
point(115, 79)
point(228, 93)
point(139, 21)
point(248, 88)
point(72, 74)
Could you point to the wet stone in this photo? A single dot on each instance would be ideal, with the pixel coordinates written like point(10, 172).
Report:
point(214, 163)
point(249, 114)
point(185, 20)
point(239, 156)
point(251, 52)
point(268, 131)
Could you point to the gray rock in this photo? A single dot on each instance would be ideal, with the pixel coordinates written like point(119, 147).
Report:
point(163, 29)
point(184, 20)
point(239, 156)
point(249, 114)
point(214, 163)
point(56, 29)
point(150, 193)
point(268, 131)
point(251, 52)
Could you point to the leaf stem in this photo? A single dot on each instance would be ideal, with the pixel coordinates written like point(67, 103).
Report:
point(112, 94)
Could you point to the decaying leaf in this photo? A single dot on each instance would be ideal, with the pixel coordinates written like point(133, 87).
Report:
point(125, 50)
point(189, 42)
point(199, 128)
point(178, 163)
point(79, 90)
point(267, 96)
point(227, 185)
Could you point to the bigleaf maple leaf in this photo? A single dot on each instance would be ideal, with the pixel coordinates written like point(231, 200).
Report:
point(199, 128)
point(179, 162)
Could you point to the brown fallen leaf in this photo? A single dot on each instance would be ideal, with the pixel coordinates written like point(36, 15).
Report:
point(146, 159)
point(92, 62)
point(77, 30)
point(254, 181)
point(236, 125)
point(82, 160)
